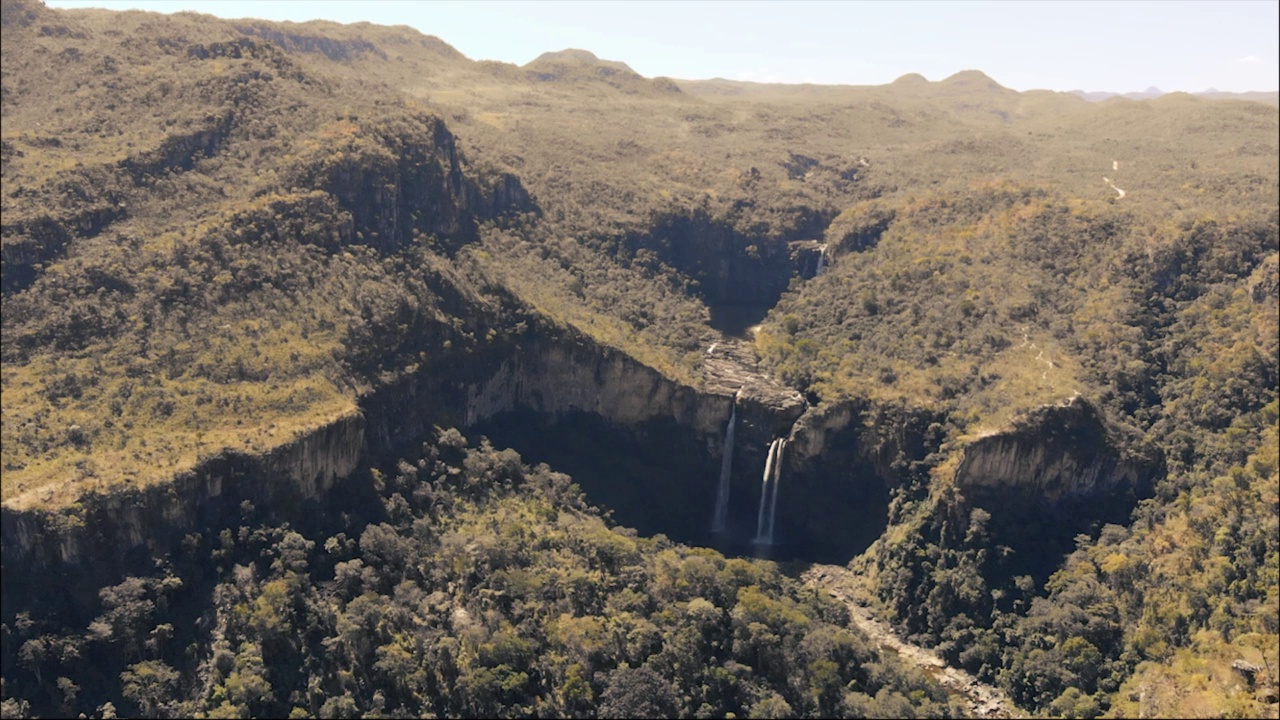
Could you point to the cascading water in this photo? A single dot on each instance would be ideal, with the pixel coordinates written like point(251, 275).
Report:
point(777, 479)
point(726, 466)
point(822, 261)
point(769, 506)
point(764, 491)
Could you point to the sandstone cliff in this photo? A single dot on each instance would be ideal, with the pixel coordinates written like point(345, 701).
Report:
point(1057, 453)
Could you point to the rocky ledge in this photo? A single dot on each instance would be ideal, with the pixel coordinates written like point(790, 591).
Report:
point(1053, 453)
point(732, 370)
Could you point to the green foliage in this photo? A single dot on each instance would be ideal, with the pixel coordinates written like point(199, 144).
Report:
point(150, 685)
point(497, 592)
point(219, 234)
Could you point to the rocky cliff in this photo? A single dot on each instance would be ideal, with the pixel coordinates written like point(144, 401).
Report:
point(558, 376)
point(1059, 472)
point(1056, 454)
point(844, 461)
point(106, 536)
point(729, 266)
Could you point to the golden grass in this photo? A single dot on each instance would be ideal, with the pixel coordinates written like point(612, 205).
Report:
point(143, 446)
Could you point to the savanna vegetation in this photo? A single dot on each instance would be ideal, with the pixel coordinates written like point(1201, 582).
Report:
point(477, 587)
point(221, 235)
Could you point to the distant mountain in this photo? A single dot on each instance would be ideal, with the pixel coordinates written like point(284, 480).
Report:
point(910, 80)
point(574, 56)
point(1272, 98)
point(574, 65)
point(971, 80)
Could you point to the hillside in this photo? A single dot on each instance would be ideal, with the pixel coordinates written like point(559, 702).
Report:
point(1011, 357)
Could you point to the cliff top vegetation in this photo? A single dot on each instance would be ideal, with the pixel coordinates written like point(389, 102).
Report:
point(143, 155)
point(219, 235)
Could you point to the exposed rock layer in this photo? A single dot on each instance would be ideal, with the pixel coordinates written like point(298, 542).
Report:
point(1056, 453)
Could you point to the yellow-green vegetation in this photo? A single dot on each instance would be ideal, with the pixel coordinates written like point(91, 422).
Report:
point(1199, 681)
point(654, 322)
point(224, 283)
point(999, 299)
point(163, 428)
point(489, 589)
point(218, 235)
point(1148, 617)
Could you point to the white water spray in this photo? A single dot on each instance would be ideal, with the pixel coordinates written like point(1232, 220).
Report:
point(768, 504)
point(773, 502)
point(822, 261)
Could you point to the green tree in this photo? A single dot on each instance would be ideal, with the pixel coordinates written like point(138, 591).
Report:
point(149, 684)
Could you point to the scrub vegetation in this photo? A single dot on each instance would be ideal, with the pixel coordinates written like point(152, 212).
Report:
point(221, 235)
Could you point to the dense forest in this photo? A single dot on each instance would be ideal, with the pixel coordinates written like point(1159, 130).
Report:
point(1011, 357)
point(479, 587)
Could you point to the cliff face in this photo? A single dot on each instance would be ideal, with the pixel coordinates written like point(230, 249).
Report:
point(1056, 474)
point(637, 442)
point(843, 461)
point(411, 179)
point(106, 536)
point(732, 268)
point(1057, 454)
point(559, 378)
point(645, 446)
point(555, 378)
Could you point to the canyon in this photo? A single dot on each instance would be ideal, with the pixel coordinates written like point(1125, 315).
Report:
point(714, 347)
point(650, 449)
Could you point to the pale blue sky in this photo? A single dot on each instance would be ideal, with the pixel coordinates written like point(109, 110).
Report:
point(1080, 44)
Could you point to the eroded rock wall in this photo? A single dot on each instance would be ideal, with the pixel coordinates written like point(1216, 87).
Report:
point(844, 461)
point(1058, 473)
point(106, 536)
point(1058, 453)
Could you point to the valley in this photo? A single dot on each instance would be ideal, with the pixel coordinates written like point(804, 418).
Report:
point(345, 375)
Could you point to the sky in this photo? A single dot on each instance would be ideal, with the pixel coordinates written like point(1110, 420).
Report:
point(1118, 46)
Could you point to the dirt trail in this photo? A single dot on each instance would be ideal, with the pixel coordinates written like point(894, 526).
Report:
point(981, 699)
point(1119, 192)
point(1044, 374)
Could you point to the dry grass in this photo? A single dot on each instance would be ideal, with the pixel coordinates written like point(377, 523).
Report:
point(603, 153)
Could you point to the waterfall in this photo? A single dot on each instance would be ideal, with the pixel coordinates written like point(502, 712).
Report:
point(726, 465)
point(773, 502)
point(822, 260)
point(764, 491)
point(768, 506)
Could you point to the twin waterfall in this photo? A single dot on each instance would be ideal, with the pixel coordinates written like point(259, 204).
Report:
point(772, 475)
point(767, 515)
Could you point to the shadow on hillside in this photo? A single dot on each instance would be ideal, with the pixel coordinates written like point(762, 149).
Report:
point(736, 320)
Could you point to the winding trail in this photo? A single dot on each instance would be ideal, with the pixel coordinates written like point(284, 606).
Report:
point(1120, 192)
point(1044, 374)
point(981, 700)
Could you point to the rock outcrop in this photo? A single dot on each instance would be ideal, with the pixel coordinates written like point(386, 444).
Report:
point(732, 370)
point(106, 536)
point(844, 461)
point(1056, 453)
point(1057, 473)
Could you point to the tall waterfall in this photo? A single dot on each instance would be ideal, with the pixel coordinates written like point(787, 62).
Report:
point(769, 506)
point(726, 467)
point(822, 261)
point(773, 501)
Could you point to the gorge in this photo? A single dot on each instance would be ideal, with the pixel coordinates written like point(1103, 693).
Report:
point(346, 375)
point(667, 458)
